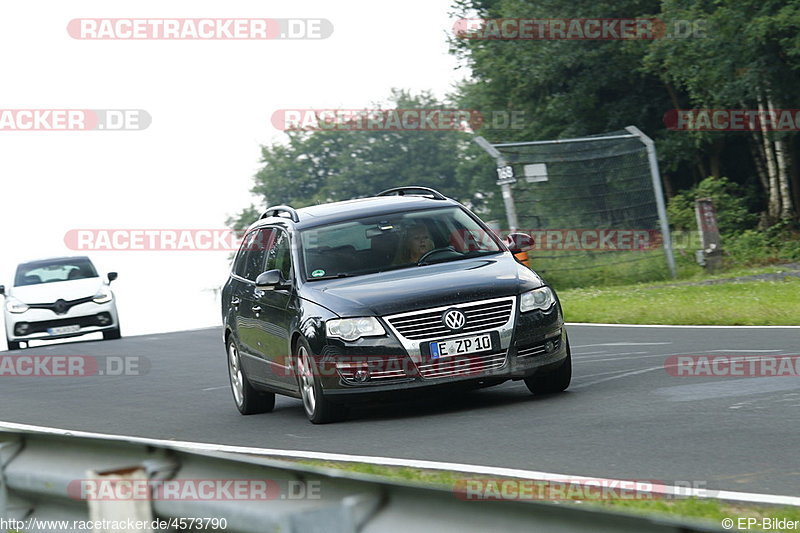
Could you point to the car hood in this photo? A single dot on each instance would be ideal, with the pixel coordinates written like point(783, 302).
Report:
point(44, 293)
point(422, 287)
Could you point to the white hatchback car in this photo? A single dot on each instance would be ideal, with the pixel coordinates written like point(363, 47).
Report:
point(57, 298)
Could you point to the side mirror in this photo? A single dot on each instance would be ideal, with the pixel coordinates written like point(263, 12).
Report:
point(112, 276)
point(270, 280)
point(519, 242)
point(3, 290)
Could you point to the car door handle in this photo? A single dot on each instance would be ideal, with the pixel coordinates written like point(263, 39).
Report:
point(256, 308)
point(235, 301)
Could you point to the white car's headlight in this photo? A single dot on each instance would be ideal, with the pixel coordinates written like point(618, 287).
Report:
point(350, 329)
point(541, 298)
point(15, 306)
point(103, 296)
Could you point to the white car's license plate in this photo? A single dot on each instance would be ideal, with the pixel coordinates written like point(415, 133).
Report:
point(465, 345)
point(61, 330)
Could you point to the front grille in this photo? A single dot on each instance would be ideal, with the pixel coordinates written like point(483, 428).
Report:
point(539, 349)
point(427, 324)
point(61, 307)
point(475, 365)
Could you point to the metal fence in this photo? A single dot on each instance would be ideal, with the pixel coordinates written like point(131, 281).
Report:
point(40, 473)
point(594, 206)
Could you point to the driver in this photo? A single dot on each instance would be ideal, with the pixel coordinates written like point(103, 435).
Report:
point(416, 242)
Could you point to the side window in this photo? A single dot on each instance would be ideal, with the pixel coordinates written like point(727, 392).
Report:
point(241, 256)
point(279, 255)
point(252, 255)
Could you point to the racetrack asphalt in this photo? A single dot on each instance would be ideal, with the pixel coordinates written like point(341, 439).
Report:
point(624, 415)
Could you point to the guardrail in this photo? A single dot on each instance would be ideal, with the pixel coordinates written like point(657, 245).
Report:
point(75, 479)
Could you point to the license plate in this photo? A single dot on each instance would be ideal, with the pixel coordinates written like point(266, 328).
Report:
point(466, 345)
point(61, 330)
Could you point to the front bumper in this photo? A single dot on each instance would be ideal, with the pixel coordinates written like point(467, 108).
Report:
point(379, 366)
point(34, 324)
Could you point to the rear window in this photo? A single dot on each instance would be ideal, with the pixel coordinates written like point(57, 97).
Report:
point(54, 270)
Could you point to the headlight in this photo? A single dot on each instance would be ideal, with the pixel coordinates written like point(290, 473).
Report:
point(541, 298)
point(350, 329)
point(15, 306)
point(102, 297)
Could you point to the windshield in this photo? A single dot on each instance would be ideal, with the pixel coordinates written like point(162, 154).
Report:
point(388, 242)
point(54, 270)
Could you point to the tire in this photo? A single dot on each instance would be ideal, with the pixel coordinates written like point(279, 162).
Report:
point(13, 345)
point(248, 400)
point(112, 334)
point(318, 408)
point(554, 381)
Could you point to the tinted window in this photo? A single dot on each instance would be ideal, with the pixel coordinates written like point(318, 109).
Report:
point(250, 262)
point(54, 270)
point(396, 240)
point(280, 255)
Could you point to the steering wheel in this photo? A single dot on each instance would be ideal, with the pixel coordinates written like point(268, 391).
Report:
point(429, 253)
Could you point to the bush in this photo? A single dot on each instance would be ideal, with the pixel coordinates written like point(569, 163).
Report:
point(728, 197)
point(778, 244)
point(749, 248)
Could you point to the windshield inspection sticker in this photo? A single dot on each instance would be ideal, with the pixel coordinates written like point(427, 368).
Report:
point(317, 273)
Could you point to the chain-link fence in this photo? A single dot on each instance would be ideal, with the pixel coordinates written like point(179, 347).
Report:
point(593, 205)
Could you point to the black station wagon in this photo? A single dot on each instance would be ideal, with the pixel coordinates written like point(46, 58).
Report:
point(353, 300)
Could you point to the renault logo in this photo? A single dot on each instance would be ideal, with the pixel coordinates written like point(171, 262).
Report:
point(61, 307)
point(454, 319)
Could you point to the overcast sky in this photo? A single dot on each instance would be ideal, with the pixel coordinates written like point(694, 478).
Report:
point(210, 103)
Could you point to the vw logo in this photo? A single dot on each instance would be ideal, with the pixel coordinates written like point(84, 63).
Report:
point(454, 319)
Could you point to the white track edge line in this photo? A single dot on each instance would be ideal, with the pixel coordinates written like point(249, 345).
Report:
point(752, 497)
point(598, 324)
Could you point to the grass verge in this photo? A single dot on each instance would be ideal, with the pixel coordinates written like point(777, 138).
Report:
point(687, 508)
point(747, 303)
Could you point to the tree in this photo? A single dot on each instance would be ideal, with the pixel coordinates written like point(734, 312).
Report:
point(748, 59)
point(331, 165)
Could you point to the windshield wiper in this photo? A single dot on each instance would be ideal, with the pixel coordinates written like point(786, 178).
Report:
point(336, 276)
point(468, 255)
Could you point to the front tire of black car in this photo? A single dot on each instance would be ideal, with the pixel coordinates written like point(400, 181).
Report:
point(554, 381)
point(248, 400)
point(318, 408)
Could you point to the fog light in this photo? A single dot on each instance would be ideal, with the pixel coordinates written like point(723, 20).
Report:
point(103, 319)
point(549, 346)
point(21, 329)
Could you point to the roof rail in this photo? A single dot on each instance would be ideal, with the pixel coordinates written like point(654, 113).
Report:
point(413, 190)
point(274, 210)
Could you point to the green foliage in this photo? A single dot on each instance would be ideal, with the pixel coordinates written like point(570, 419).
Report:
point(244, 218)
point(748, 248)
point(325, 166)
point(732, 213)
point(778, 244)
